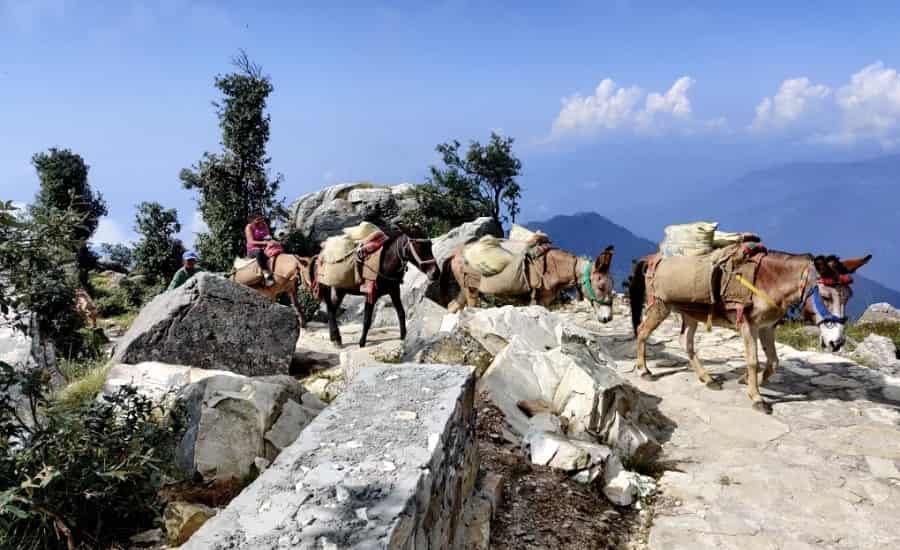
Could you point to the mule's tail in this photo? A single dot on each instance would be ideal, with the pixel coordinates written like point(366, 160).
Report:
point(446, 274)
point(637, 293)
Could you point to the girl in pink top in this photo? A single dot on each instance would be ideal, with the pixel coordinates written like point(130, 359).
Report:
point(258, 236)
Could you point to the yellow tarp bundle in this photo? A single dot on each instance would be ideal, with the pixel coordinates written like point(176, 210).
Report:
point(487, 255)
point(361, 232)
point(690, 239)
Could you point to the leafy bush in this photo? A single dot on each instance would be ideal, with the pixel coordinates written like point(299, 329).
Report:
point(83, 475)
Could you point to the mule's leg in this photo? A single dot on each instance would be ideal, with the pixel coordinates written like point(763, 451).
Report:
point(654, 316)
point(471, 297)
point(750, 334)
point(767, 339)
point(689, 326)
point(396, 299)
point(367, 321)
point(331, 306)
point(545, 298)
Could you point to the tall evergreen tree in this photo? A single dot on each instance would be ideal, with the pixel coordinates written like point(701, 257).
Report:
point(235, 183)
point(64, 186)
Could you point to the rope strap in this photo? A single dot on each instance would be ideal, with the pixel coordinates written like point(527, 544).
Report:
point(757, 291)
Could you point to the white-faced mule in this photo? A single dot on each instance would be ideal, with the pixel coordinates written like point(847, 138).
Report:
point(746, 287)
point(409, 245)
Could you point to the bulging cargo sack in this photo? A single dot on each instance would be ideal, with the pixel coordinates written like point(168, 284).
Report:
point(721, 239)
point(684, 279)
point(690, 239)
point(342, 274)
point(337, 248)
point(247, 271)
point(511, 281)
point(487, 256)
point(362, 231)
point(519, 233)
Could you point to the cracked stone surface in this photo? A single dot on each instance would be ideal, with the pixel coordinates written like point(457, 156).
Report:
point(820, 472)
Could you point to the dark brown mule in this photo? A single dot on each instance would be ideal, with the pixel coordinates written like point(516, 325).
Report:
point(820, 286)
point(286, 272)
point(563, 270)
point(410, 245)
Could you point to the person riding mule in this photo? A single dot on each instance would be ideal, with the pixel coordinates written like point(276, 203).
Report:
point(259, 245)
point(541, 276)
point(409, 245)
point(772, 283)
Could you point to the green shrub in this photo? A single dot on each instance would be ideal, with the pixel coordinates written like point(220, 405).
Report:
point(85, 475)
point(889, 329)
point(795, 334)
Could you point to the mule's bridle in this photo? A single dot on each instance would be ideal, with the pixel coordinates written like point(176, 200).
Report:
point(588, 287)
point(415, 254)
point(825, 316)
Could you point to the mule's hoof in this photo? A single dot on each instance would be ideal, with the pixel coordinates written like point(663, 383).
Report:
point(647, 375)
point(762, 407)
point(714, 385)
point(362, 345)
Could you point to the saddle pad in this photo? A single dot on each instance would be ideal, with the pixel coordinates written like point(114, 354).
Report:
point(684, 279)
point(371, 265)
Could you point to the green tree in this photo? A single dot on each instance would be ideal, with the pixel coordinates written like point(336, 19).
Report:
point(64, 186)
point(118, 253)
point(235, 183)
point(38, 251)
point(481, 183)
point(158, 252)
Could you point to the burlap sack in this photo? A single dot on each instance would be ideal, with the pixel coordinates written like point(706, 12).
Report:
point(690, 239)
point(337, 249)
point(519, 233)
point(512, 281)
point(343, 274)
point(247, 272)
point(684, 279)
point(487, 256)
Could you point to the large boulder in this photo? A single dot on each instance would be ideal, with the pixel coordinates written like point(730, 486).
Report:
point(880, 313)
point(496, 327)
point(210, 322)
point(232, 420)
point(326, 212)
point(583, 388)
point(21, 344)
point(878, 352)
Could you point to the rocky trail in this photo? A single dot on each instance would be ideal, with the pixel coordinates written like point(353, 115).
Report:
point(820, 472)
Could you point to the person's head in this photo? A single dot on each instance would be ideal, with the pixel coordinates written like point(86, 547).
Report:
point(257, 218)
point(189, 259)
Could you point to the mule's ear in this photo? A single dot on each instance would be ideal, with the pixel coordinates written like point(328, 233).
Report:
point(822, 267)
point(852, 264)
point(604, 260)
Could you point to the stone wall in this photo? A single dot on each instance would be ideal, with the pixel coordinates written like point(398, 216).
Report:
point(389, 464)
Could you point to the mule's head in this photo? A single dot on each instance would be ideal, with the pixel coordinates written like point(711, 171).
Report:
point(826, 302)
point(601, 282)
point(418, 250)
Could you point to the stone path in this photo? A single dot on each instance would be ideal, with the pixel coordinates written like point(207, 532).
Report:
point(820, 472)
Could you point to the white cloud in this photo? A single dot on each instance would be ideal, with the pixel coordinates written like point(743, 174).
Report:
point(616, 108)
point(109, 231)
point(795, 98)
point(870, 105)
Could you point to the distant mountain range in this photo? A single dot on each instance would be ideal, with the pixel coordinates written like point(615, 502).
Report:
point(588, 233)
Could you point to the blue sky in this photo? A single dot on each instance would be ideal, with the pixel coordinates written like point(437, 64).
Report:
point(614, 105)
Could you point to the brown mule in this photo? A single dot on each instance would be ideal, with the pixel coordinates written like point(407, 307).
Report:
point(286, 272)
point(783, 281)
point(562, 270)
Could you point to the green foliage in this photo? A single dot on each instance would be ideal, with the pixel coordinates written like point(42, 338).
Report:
point(64, 186)
point(480, 184)
point(158, 253)
point(37, 260)
point(235, 183)
point(85, 379)
point(87, 474)
point(296, 242)
point(118, 253)
point(796, 335)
